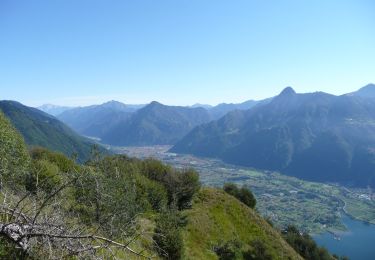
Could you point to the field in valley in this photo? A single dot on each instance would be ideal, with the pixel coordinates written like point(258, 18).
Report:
point(312, 207)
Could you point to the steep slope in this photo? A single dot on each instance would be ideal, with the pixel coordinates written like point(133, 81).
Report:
point(14, 158)
point(314, 136)
point(217, 219)
point(156, 124)
point(96, 120)
point(41, 129)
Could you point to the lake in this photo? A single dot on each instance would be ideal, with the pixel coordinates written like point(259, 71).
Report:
point(358, 243)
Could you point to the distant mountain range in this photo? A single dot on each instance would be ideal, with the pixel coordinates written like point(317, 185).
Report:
point(314, 136)
point(116, 123)
point(156, 124)
point(96, 120)
point(41, 129)
point(222, 109)
point(53, 110)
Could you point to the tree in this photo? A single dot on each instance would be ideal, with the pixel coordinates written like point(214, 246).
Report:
point(244, 194)
point(305, 245)
point(47, 228)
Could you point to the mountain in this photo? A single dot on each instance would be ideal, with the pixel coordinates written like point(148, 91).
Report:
point(314, 136)
point(97, 120)
point(40, 129)
point(156, 124)
point(223, 108)
point(53, 109)
point(201, 105)
point(367, 91)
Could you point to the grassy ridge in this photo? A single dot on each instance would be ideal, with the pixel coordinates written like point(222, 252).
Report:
point(218, 218)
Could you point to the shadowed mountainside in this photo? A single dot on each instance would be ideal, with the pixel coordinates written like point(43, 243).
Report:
point(41, 129)
point(314, 136)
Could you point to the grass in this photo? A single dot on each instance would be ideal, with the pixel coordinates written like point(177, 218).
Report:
point(217, 218)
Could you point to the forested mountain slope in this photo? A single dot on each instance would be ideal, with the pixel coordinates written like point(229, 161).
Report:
point(156, 124)
point(41, 129)
point(314, 136)
point(96, 120)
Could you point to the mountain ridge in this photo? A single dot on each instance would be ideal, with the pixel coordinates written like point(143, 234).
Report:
point(41, 129)
point(328, 133)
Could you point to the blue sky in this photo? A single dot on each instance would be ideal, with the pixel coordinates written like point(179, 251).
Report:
point(80, 52)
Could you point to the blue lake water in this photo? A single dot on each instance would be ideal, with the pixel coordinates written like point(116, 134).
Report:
point(357, 244)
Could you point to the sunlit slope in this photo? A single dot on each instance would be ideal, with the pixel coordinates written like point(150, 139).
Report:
point(217, 219)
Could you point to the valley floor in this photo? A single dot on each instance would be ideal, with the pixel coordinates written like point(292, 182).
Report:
point(312, 207)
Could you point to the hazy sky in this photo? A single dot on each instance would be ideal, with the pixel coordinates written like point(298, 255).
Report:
point(79, 52)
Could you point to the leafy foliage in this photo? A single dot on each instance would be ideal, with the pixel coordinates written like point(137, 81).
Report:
point(305, 245)
point(125, 199)
point(14, 159)
point(168, 235)
point(244, 194)
point(180, 185)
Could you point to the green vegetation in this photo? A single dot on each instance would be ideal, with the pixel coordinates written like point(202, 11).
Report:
point(40, 129)
point(305, 245)
point(14, 159)
point(168, 235)
point(219, 225)
point(311, 207)
point(124, 208)
point(244, 194)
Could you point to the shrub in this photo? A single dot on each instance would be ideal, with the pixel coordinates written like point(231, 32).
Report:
point(168, 236)
point(14, 159)
point(228, 250)
point(180, 185)
point(244, 194)
point(44, 175)
point(305, 245)
point(258, 251)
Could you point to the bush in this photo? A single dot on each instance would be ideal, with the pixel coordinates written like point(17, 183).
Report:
point(305, 245)
point(180, 185)
point(228, 250)
point(65, 164)
point(44, 175)
point(14, 158)
point(168, 236)
point(244, 194)
point(258, 251)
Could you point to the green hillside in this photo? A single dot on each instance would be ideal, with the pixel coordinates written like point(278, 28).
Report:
point(41, 129)
point(116, 207)
point(218, 220)
point(14, 158)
